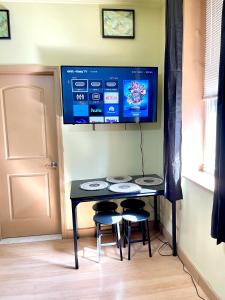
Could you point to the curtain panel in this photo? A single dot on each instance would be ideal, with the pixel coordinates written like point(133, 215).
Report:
point(173, 99)
point(218, 213)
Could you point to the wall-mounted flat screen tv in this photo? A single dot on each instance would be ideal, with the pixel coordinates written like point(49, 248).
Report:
point(109, 94)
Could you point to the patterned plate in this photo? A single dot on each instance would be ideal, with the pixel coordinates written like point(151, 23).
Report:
point(148, 181)
point(119, 179)
point(125, 188)
point(94, 185)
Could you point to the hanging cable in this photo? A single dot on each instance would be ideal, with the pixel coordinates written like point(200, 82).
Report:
point(142, 153)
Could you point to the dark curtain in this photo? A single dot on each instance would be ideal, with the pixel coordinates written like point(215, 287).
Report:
point(173, 99)
point(218, 213)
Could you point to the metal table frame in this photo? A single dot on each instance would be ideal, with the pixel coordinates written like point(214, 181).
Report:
point(79, 196)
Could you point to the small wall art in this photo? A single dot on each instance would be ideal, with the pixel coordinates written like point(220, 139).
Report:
point(4, 24)
point(118, 23)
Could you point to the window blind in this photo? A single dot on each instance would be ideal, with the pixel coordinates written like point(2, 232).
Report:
point(212, 61)
point(212, 53)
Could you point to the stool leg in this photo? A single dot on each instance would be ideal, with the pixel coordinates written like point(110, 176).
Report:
point(124, 233)
point(119, 239)
point(95, 230)
point(149, 241)
point(143, 232)
point(115, 230)
point(129, 239)
point(140, 227)
point(126, 229)
point(122, 230)
point(99, 241)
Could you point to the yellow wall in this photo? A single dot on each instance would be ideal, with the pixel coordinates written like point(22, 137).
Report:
point(70, 34)
point(110, 149)
point(55, 34)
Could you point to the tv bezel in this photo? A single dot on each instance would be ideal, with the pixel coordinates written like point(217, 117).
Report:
point(110, 123)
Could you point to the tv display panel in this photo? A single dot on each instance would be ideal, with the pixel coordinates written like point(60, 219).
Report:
point(109, 94)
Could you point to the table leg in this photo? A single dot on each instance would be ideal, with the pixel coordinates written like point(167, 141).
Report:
point(174, 228)
point(76, 225)
point(156, 221)
point(74, 206)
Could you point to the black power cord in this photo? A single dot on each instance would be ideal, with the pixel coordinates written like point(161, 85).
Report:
point(142, 153)
point(165, 244)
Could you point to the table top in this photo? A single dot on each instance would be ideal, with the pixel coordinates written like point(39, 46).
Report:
point(77, 194)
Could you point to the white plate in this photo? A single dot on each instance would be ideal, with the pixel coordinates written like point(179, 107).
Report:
point(119, 179)
point(94, 185)
point(125, 188)
point(148, 181)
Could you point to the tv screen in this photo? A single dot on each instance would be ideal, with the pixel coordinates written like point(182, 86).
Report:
point(109, 94)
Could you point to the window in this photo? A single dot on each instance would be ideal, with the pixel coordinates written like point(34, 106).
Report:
point(212, 58)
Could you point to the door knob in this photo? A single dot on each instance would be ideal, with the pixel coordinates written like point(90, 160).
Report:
point(52, 164)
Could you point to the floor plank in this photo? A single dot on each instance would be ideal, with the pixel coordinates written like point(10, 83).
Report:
point(44, 270)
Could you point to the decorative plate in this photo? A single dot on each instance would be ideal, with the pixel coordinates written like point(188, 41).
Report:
point(94, 185)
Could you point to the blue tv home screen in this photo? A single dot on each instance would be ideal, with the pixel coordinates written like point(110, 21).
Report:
point(109, 94)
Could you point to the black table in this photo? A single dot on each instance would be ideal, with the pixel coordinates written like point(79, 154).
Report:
point(78, 195)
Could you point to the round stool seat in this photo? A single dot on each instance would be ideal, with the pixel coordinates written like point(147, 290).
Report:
point(136, 215)
point(107, 218)
point(105, 206)
point(132, 204)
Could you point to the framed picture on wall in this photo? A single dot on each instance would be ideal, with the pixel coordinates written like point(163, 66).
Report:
point(118, 23)
point(4, 24)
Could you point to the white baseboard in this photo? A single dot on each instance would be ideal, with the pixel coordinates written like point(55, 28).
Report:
point(30, 239)
point(201, 281)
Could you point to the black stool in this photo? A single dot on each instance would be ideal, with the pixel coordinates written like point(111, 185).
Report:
point(108, 218)
point(132, 204)
point(131, 216)
point(103, 206)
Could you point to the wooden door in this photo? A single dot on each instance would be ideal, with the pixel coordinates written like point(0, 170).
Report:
point(29, 183)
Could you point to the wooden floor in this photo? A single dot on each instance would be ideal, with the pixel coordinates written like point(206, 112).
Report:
point(44, 270)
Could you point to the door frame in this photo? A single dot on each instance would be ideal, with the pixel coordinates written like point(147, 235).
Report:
point(53, 71)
